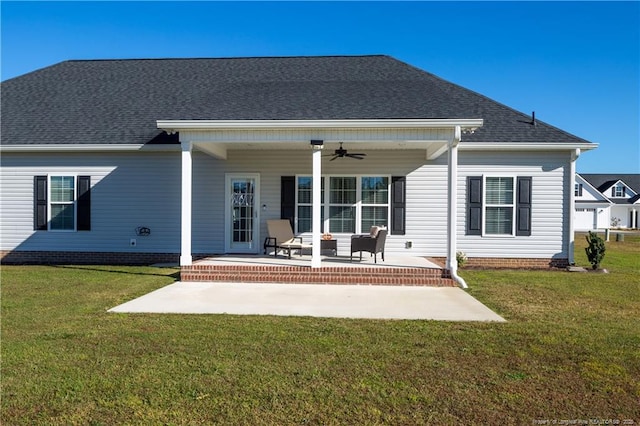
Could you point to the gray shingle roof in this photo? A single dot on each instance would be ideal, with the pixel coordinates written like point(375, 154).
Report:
point(119, 101)
point(604, 181)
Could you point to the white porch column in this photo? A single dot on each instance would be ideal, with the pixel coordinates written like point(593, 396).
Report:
point(572, 205)
point(187, 175)
point(452, 207)
point(316, 261)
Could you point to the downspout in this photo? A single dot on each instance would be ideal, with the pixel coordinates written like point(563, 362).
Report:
point(572, 206)
point(452, 208)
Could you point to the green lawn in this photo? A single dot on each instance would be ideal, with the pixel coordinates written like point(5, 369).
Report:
point(569, 351)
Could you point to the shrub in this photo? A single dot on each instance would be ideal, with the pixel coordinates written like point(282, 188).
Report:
point(595, 249)
point(461, 258)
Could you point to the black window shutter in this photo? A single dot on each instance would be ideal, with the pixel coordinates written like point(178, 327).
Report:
point(398, 205)
point(84, 203)
point(613, 191)
point(40, 203)
point(579, 190)
point(474, 205)
point(523, 207)
point(288, 198)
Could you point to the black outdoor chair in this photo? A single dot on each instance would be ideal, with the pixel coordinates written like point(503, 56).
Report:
point(372, 243)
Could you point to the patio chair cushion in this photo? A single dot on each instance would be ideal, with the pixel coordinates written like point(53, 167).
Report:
point(280, 230)
point(281, 237)
point(373, 232)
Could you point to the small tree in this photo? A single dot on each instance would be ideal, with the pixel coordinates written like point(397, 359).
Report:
point(595, 249)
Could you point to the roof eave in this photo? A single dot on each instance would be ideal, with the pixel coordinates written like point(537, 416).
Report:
point(527, 146)
point(87, 147)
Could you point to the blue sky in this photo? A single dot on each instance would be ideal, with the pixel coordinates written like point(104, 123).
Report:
point(577, 64)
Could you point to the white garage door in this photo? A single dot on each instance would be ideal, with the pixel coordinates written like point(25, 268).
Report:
point(585, 219)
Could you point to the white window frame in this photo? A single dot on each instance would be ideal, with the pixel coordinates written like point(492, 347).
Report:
point(576, 189)
point(50, 203)
point(485, 205)
point(309, 204)
point(326, 205)
point(360, 204)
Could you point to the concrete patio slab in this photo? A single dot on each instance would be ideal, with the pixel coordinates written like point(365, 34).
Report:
point(330, 301)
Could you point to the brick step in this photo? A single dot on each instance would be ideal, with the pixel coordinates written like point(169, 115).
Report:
point(305, 275)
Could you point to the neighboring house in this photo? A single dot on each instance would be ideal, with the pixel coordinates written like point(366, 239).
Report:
point(607, 201)
point(109, 161)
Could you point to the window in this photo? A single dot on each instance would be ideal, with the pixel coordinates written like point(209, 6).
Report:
point(354, 203)
point(342, 204)
point(618, 190)
point(62, 196)
point(305, 204)
point(62, 203)
point(499, 206)
point(375, 201)
point(577, 190)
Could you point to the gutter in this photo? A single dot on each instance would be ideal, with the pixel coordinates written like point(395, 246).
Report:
point(80, 147)
point(423, 123)
point(527, 146)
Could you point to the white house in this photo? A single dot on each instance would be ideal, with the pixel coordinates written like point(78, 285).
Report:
point(137, 161)
point(607, 201)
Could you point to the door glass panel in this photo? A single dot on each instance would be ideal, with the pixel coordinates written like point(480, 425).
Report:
point(242, 209)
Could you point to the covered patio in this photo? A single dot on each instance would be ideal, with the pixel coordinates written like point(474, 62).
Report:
point(217, 138)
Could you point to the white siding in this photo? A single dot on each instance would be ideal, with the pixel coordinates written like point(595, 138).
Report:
point(622, 216)
point(427, 196)
point(628, 192)
point(271, 165)
point(143, 189)
point(550, 192)
point(589, 193)
point(128, 190)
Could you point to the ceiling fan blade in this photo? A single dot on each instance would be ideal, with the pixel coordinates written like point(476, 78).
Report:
point(356, 156)
point(334, 157)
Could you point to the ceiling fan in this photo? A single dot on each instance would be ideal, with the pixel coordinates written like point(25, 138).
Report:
point(341, 153)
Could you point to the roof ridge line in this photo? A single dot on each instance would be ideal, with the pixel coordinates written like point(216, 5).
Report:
point(204, 58)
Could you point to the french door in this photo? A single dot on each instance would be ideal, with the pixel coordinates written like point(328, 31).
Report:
point(242, 213)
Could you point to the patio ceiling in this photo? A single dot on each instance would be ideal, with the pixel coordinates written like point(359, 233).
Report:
point(433, 149)
point(216, 138)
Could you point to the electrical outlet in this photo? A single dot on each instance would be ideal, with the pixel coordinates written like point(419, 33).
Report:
point(133, 242)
